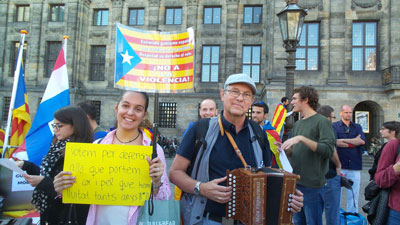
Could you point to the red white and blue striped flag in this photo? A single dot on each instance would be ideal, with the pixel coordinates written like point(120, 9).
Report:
point(55, 97)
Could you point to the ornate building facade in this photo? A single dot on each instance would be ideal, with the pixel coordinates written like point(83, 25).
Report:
point(349, 51)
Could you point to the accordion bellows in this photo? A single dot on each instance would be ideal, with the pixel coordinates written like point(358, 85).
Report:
point(260, 197)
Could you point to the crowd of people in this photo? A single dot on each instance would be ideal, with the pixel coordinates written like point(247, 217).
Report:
point(320, 150)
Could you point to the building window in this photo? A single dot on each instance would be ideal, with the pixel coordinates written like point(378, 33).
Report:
point(252, 14)
point(100, 17)
point(364, 46)
point(307, 53)
point(56, 13)
point(52, 51)
point(22, 13)
point(97, 62)
point(167, 116)
point(210, 64)
point(212, 15)
point(251, 62)
point(6, 107)
point(97, 105)
point(173, 16)
point(136, 16)
point(14, 54)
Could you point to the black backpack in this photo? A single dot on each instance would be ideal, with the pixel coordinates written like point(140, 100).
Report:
point(200, 141)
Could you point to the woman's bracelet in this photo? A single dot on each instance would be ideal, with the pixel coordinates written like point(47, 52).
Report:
point(158, 186)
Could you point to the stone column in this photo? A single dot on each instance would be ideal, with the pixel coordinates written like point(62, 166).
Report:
point(337, 32)
point(232, 14)
point(78, 43)
point(154, 15)
point(394, 33)
point(3, 34)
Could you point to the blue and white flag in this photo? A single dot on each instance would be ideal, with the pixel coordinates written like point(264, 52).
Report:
point(55, 96)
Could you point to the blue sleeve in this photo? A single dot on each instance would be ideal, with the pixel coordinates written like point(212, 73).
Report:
point(359, 130)
point(187, 128)
point(186, 148)
point(99, 134)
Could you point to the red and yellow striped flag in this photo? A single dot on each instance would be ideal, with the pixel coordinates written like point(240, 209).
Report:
point(273, 137)
point(2, 135)
point(279, 117)
point(21, 119)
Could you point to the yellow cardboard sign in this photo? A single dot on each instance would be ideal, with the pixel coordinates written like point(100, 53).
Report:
point(107, 174)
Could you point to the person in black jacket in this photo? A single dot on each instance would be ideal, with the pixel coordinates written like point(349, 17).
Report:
point(70, 125)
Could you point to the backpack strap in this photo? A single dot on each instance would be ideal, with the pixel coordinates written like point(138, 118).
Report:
point(201, 131)
point(259, 134)
point(200, 142)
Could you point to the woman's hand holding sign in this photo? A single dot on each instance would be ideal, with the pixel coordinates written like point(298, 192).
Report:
point(62, 181)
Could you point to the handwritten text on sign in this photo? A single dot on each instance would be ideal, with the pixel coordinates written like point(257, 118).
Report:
point(107, 174)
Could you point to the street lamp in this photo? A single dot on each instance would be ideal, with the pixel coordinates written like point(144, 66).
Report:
point(291, 20)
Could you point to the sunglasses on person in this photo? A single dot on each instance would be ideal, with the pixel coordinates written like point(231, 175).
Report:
point(347, 130)
point(259, 103)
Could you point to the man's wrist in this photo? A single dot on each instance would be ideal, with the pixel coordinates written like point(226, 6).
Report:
point(396, 168)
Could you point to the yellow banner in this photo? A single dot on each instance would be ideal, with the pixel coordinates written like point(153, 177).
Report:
point(107, 174)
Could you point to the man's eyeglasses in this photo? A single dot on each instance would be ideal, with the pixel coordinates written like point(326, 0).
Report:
point(347, 130)
point(236, 94)
point(56, 126)
point(332, 117)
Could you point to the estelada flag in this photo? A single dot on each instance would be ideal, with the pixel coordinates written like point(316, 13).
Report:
point(279, 117)
point(2, 135)
point(273, 137)
point(21, 119)
point(153, 61)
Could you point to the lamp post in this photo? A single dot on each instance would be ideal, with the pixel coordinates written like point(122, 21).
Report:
point(291, 20)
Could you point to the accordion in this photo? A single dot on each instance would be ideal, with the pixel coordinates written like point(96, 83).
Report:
point(260, 196)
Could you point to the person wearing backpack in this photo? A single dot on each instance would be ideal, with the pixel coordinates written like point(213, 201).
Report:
point(332, 187)
point(388, 176)
point(205, 193)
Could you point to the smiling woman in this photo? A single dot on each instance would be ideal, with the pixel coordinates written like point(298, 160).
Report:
point(130, 112)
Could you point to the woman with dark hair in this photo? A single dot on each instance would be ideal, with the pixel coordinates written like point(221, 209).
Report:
point(130, 111)
point(70, 125)
point(388, 176)
point(389, 131)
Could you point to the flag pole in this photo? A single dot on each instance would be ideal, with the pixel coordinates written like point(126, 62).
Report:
point(14, 91)
point(66, 38)
point(155, 125)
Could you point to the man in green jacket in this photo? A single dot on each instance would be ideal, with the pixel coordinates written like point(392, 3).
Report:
point(309, 151)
